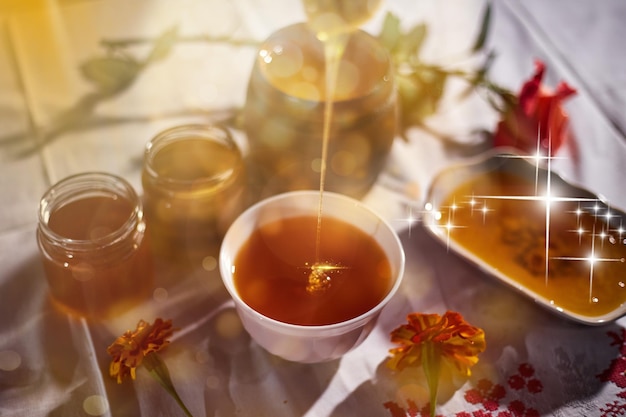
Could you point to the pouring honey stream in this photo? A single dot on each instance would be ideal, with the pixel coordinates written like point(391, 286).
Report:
point(332, 21)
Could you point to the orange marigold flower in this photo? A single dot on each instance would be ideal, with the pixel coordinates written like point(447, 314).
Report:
point(450, 335)
point(429, 339)
point(130, 349)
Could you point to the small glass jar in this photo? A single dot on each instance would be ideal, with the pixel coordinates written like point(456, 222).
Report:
point(92, 239)
point(194, 186)
point(285, 109)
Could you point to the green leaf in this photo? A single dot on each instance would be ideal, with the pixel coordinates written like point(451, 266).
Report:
point(163, 45)
point(484, 69)
point(484, 29)
point(411, 43)
point(420, 94)
point(111, 74)
point(479, 78)
point(390, 33)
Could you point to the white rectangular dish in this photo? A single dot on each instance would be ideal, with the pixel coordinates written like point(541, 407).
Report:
point(558, 244)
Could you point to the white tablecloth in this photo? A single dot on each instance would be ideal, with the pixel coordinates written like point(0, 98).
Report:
point(54, 365)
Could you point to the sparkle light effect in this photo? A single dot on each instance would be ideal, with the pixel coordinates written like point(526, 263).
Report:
point(592, 260)
point(415, 215)
point(579, 229)
point(606, 232)
point(484, 211)
point(320, 275)
point(548, 200)
point(450, 223)
point(411, 218)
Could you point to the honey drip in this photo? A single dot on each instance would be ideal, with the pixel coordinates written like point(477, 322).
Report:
point(320, 276)
point(333, 23)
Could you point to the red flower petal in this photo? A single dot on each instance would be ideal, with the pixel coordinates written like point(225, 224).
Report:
point(538, 120)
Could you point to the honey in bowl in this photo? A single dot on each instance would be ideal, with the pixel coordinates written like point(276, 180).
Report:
point(569, 250)
point(278, 273)
point(332, 281)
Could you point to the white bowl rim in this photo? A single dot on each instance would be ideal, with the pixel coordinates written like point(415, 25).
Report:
point(320, 330)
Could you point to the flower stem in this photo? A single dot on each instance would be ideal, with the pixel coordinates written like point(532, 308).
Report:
point(123, 43)
point(431, 360)
point(158, 369)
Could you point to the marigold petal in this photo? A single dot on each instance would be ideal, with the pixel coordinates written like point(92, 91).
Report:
point(403, 335)
point(114, 369)
point(129, 350)
point(404, 357)
point(456, 341)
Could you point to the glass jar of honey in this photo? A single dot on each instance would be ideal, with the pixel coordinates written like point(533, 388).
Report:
point(194, 186)
point(92, 239)
point(285, 112)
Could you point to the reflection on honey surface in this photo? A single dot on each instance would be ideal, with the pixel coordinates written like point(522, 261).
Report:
point(277, 275)
point(570, 251)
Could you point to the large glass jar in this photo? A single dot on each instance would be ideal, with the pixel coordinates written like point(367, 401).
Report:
point(284, 113)
point(91, 236)
point(194, 186)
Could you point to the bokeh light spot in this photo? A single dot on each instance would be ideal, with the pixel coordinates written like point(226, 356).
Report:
point(209, 263)
point(95, 405)
point(83, 272)
point(213, 382)
point(203, 357)
point(306, 90)
point(228, 325)
point(344, 163)
point(348, 80)
point(160, 294)
point(283, 61)
point(316, 165)
point(10, 360)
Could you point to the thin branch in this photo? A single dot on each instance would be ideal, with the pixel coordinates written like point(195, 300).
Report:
point(120, 44)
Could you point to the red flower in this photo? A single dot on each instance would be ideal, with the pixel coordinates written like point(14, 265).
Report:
point(537, 116)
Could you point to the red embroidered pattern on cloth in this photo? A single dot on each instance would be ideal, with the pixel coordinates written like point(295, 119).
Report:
point(616, 373)
point(511, 398)
point(489, 397)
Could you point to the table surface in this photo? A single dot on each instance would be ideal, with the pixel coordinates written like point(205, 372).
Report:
point(50, 127)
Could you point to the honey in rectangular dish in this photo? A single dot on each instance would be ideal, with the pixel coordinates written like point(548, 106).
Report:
point(585, 247)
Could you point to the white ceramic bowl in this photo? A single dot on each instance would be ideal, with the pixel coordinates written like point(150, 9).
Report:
point(302, 343)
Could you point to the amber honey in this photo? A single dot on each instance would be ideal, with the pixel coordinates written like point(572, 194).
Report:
point(286, 108)
point(273, 271)
point(194, 186)
point(571, 252)
point(92, 239)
